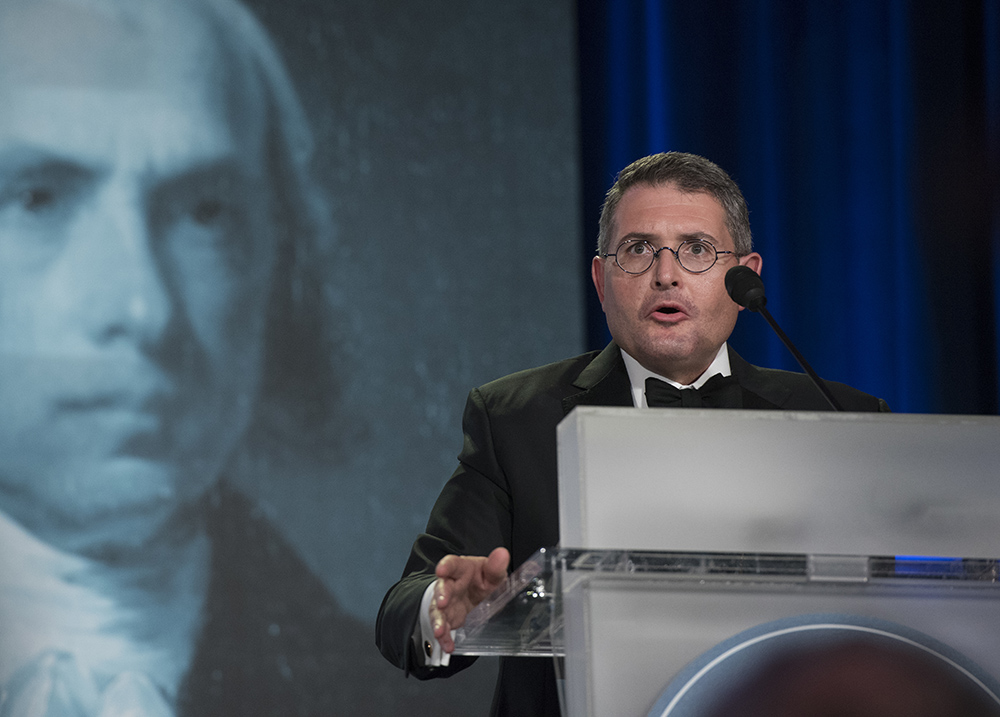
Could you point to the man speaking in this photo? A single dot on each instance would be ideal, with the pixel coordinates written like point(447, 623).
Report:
point(672, 225)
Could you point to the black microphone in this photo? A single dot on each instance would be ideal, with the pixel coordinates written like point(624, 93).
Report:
point(746, 289)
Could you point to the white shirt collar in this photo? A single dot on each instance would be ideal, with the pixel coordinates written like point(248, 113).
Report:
point(637, 375)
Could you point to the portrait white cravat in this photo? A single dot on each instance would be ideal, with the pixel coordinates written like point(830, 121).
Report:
point(84, 639)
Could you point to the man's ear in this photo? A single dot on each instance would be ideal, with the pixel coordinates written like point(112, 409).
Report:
point(597, 274)
point(753, 260)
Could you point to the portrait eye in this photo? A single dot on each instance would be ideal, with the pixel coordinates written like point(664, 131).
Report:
point(44, 191)
point(36, 199)
point(699, 248)
point(207, 211)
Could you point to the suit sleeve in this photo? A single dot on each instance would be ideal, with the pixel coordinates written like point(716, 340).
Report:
point(470, 517)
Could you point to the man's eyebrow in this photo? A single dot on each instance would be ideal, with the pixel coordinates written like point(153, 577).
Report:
point(699, 236)
point(636, 236)
point(648, 236)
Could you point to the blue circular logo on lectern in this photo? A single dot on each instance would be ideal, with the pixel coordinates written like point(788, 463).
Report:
point(830, 665)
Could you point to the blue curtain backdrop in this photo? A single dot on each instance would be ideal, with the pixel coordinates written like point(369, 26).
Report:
point(866, 137)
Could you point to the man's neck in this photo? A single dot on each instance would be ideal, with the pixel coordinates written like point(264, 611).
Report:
point(637, 374)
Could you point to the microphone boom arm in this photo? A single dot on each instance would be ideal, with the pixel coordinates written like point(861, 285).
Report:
point(746, 288)
point(820, 383)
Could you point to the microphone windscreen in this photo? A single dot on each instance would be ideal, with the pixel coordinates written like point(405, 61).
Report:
point(745, 287)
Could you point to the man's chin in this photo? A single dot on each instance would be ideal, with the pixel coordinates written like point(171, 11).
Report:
point(666, 357)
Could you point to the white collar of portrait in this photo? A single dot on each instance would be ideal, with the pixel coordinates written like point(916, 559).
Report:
point(53, 601)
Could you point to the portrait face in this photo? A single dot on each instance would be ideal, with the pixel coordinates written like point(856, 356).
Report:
point(136, 245)
point(670, 320)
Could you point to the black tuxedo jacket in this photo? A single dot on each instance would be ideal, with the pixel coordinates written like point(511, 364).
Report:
point(504, 492)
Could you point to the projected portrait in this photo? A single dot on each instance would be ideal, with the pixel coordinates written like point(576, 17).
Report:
point(157, 231)
point(246, 249)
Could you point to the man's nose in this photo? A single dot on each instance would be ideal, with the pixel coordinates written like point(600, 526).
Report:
point(117, 274)
point(666, 269)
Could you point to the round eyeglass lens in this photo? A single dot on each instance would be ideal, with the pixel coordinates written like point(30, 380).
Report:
point(635, 256)
point(696, 256)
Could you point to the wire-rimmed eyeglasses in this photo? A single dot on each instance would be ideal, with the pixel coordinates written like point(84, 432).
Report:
point(635, 256)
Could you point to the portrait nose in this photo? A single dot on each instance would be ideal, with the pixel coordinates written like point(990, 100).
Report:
point(118, 275)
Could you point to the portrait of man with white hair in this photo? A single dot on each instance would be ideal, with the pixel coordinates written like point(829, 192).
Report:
point(158, 228)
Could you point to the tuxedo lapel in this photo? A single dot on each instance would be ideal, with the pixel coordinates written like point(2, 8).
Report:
point(604, 382)
point(761, 390)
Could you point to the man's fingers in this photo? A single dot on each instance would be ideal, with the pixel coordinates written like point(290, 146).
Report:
point(440, 626)
point(495, 569)
point(448, 606)
point(450, 566)
point(462, 581)
point(447, 644)
point(492, 572)
point(440, 598)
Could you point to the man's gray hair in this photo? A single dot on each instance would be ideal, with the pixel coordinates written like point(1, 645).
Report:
point(689, 173)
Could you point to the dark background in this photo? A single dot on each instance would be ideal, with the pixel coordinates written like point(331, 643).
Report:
point(866, 137)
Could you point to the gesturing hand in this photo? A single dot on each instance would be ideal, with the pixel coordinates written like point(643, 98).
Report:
point(462, 583)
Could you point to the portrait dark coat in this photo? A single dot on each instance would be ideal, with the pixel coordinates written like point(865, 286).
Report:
point(275, 641)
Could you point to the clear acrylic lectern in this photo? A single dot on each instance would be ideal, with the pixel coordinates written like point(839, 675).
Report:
point(706, 553)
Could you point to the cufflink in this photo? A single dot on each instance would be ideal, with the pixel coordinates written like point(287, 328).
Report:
point(428, 650)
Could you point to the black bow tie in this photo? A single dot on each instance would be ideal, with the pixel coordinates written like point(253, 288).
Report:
point(718, 392)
